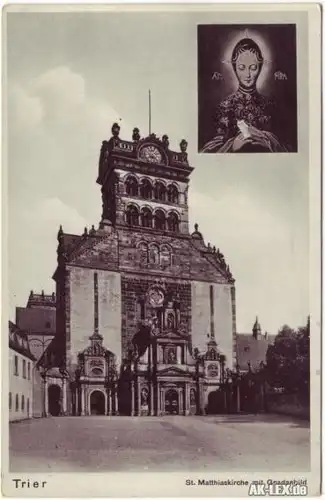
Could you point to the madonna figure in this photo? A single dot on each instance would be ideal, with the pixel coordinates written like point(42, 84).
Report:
point(245, 120)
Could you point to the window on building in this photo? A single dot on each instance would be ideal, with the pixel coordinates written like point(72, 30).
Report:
point(172, 222)
point(17, 403)
point(132, 215)
point(28, 407)
point(160, 220)
point(172, 194)
point(28, 370)
point(146, 217)
point(10, 400)
point(131, 186)
point(165, 255)
point(16, 366)
point(24, 368)
point(154, 254)
point(146, 189)
point(160, 192)
point(143, 252)
point(23, 403)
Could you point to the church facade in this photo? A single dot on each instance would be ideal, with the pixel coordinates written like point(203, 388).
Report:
point(145, 312)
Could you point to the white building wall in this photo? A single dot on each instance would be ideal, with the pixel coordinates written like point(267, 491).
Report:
point(82, 310)
point(20, 387)
point(201, 320)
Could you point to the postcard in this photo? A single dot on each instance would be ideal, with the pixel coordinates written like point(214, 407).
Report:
point(161, 314)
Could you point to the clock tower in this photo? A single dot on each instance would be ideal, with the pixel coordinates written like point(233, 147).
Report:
point(144, 184)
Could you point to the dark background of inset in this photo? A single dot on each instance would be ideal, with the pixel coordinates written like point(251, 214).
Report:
point(211, 41)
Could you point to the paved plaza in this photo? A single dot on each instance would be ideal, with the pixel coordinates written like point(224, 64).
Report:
point(212, 443)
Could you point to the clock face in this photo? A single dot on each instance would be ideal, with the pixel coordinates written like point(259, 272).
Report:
point(151, 154)
point(156, 297)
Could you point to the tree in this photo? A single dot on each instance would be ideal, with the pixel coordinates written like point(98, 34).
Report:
point(287, 360)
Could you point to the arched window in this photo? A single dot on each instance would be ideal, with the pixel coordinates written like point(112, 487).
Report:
point(170, 321)
point(173, 223)
point(160, 220)
point(131, 186)
point(154, 254)
point(146, 189)
point(17, 403)
point(132, 215)
point(165, 256)
point(160, 192)
point(22, 403)
point(10, 400)
point(172, 194)
point(146, 217)
point(143, 251)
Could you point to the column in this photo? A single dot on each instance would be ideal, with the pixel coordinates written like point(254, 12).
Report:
point(238, 397)
point(116, 401)
point(110, 402)
point(132, 399)
point(76, 395)
point(64, 396)
point(152, 405)
point(158, 399)
point(186, 398)
point(162, 402)
point(139, 398)
point(180, 401)
point(83, 412)
point(46, 399)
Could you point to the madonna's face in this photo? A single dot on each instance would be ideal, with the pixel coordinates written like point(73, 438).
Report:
point(247, 69)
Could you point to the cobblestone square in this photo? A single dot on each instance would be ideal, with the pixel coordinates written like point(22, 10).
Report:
point(231, 443)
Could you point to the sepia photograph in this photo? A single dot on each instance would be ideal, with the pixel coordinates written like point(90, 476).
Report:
point(247, 88)
point(161, 318)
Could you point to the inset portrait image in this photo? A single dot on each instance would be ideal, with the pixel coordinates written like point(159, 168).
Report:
point(247, 88)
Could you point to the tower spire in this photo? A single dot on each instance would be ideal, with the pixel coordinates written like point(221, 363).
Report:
point(149, 111)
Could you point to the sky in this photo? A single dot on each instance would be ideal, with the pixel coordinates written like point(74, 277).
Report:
point(70, 76)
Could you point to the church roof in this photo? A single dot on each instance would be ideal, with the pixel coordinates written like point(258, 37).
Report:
point(18, 341)
point(36, 320)
point(252, 350)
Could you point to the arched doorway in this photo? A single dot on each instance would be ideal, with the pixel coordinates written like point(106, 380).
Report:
point(54, 393)
point(171, 402)
point(97, 403)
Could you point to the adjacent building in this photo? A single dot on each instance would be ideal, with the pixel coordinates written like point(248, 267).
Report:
point(21, 364)
point(252, 348)
point(37, 319)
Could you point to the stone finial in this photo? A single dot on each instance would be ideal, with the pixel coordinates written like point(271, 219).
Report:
point(256, 328)
point(85, 232)
point(214, 249)
point(165, 141)
point(136, 134)
point(183, 145)
point(42, 293)
point(115, 130)
point(53, 296)
point(31, 293)
point(60, 232)
point(92, 231)
point(209, 247)
point(196, 227)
